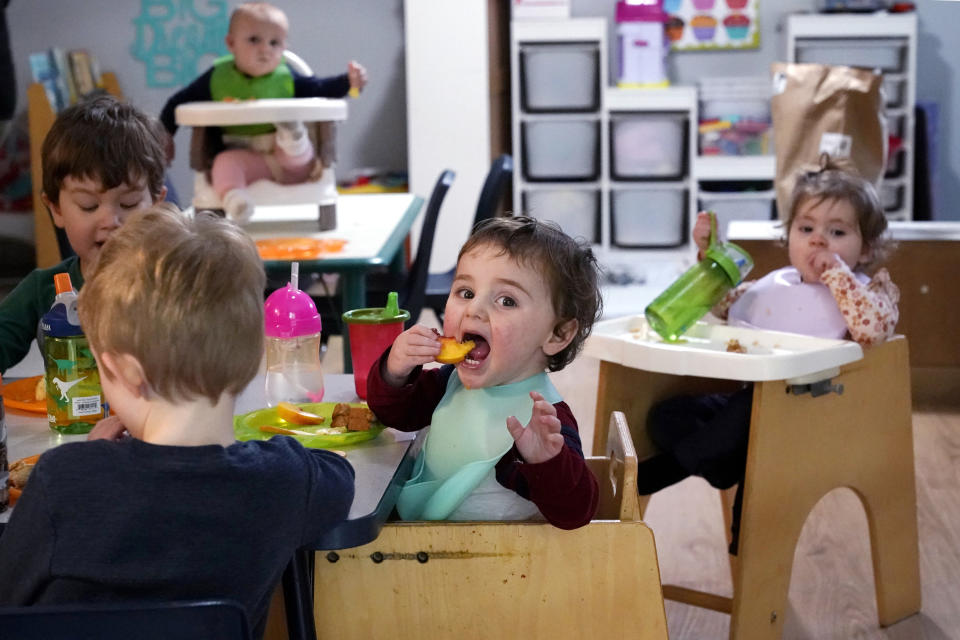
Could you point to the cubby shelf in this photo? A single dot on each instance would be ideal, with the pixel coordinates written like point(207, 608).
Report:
point(621, 159)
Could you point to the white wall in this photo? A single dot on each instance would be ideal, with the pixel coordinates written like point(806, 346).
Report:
point(938, 79)
point(448, 111)
point(325, 33)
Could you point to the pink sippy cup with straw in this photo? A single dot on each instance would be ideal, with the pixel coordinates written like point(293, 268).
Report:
point(292, 326)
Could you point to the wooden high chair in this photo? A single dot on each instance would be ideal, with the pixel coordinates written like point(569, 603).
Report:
point(805, 440)
point(504, 579)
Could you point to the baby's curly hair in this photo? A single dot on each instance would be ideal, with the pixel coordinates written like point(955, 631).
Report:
point(832, 182)
point(569, 268)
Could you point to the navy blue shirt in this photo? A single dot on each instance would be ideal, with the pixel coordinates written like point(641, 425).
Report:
point(104, 521)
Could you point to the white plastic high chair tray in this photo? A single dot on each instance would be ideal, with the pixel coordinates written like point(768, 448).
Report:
point(219, 114)
point(770, 355)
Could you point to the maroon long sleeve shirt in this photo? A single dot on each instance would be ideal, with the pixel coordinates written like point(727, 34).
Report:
point(563, 488)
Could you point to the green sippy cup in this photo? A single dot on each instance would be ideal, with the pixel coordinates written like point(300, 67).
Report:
point(694, 293)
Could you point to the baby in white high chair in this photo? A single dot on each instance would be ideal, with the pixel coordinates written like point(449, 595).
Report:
point(255, 69)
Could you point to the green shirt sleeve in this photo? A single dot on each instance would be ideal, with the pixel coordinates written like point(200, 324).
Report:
point(21, 309)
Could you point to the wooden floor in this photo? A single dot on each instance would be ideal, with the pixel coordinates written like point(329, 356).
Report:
point(832, 589)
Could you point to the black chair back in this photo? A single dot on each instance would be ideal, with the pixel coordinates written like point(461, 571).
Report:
point(185, 620)
point(412, 295)
point(495, 186)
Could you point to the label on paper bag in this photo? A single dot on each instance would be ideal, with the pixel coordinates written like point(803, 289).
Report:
point(838, 145)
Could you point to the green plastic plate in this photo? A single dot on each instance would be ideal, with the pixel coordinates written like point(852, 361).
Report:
point(247, 426)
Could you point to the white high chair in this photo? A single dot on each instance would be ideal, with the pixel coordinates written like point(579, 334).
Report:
point(318, 115)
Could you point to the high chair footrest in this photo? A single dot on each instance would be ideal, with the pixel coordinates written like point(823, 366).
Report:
point(697, 598)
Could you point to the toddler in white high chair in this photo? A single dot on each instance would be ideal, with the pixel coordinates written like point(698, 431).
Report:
point(835, 236)
point(255, 69)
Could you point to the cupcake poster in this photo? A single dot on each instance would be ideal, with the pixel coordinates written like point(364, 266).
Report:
point(712, 24)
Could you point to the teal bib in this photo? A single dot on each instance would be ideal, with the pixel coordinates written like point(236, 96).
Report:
point(468, 436)
point(228, 83)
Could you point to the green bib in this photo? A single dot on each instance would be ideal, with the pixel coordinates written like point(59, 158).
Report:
point(228, 82)
point(468, 436)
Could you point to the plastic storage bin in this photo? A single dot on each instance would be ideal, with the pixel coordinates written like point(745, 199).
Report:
point(735, 116)
point(560, 149)
point(648, 218)
point(577, 211)
point(894, 167)
point(650, 146)
point(826, 6)
point(560, 77)
point(895, 125)
point(887, 54)
point(894, 91)
point(891, 196)
point(737, 205)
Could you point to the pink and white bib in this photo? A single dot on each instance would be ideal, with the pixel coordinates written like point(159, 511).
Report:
point(781, 301)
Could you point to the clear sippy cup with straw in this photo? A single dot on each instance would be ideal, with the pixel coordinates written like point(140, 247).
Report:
point(694, 293)
point(292, 327)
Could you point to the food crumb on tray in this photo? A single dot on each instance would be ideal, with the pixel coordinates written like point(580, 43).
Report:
point(353, 418)
point(734, 346)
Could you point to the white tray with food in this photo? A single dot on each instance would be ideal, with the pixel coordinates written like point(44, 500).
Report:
point(720, 351)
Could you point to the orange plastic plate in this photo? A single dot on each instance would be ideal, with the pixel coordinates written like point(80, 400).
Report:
point(298, 248)
point(18, 394)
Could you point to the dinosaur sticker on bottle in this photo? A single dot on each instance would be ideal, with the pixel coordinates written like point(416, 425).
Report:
point(74, 396)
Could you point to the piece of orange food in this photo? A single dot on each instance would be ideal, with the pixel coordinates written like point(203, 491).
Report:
point(452, 352)
point(292, 413)
point(19, 472)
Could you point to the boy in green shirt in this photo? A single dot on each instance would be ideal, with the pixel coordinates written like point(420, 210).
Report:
point(101, 160)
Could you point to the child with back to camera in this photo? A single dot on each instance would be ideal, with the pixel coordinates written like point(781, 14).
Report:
point(101, 160)
point(502, 443)
point(255, 68)
point(835, 236)
point(179, 510)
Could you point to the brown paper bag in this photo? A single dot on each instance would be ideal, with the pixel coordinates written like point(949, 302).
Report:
point(819, 109)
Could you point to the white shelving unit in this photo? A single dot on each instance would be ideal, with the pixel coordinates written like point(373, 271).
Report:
point(887, 42)
point(612, 165)
point(559, 150)
point(735, 167)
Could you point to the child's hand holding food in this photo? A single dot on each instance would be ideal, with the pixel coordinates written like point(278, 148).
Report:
point(357, 75)
point(416, 346)
point(452, 352)
point(541, 440)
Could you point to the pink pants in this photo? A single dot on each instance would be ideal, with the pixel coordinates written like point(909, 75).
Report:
point(236, 168)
